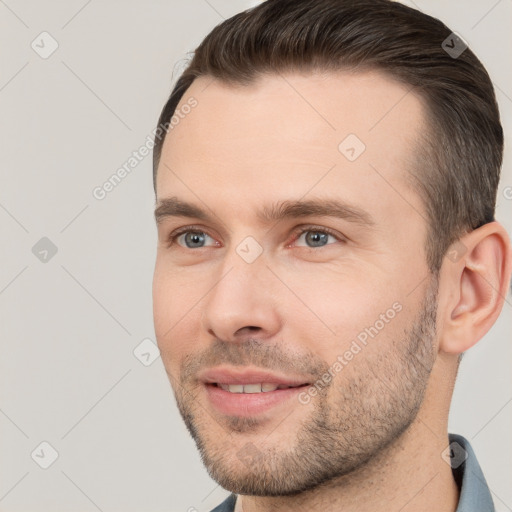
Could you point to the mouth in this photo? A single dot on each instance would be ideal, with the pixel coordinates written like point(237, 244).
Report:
point(233, 391)
point(264, 387)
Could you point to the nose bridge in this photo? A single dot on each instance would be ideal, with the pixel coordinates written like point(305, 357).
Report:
point(242, 294)
point(244, 265)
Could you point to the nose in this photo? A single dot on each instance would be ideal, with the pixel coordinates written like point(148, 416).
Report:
point(243, 302)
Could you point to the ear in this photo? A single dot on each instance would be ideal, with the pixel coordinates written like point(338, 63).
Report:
point(474, 282)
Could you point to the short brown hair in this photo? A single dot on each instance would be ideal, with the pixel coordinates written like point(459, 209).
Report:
point(459, 160)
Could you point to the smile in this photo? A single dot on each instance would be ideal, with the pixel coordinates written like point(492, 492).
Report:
point(253, 388)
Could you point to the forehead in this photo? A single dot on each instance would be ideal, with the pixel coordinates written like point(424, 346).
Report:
point(287, 135)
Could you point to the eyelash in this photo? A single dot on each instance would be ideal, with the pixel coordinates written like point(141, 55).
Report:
point(296, 234)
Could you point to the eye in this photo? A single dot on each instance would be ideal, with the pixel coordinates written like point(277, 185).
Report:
point(315, 237)
point(189, 238)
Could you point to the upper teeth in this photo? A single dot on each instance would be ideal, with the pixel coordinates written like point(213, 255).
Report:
point(252, 388)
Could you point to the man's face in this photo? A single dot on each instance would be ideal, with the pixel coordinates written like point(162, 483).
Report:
point(341, 307)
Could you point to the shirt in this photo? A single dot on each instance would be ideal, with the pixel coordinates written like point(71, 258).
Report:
point(474, 492)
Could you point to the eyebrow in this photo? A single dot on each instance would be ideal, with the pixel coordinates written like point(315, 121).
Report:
point(174, 207)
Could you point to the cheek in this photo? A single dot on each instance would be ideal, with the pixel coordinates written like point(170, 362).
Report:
point(334, 308)
point(175, 291)
point(162, 293)
point(176, 310)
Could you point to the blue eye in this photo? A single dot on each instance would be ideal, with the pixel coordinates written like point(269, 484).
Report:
point(193, 239)
point(316, 237)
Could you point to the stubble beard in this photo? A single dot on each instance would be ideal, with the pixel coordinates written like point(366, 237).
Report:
point(375, 406)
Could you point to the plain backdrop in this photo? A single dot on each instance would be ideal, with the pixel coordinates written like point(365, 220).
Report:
point(75, 272)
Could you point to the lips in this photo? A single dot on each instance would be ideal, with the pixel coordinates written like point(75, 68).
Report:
point(251, 392)
point(249, 381)
point(263, 387)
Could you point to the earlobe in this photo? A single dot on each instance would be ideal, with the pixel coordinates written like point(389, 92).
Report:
point(479, 283)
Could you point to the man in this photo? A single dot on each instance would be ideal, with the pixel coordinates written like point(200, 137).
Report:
point(326, 175)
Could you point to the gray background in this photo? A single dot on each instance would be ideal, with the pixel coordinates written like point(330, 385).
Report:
point(70, 324)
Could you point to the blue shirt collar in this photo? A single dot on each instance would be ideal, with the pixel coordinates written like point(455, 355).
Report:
point(474, 492)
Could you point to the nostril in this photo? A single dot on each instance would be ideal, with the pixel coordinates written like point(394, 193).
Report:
point(249, 328)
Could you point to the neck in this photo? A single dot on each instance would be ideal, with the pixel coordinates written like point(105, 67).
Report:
point(408, 476)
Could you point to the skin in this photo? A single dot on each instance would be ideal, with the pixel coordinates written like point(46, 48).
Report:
point(356, 445)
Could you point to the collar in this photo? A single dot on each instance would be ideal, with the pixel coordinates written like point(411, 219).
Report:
point(475, 495)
